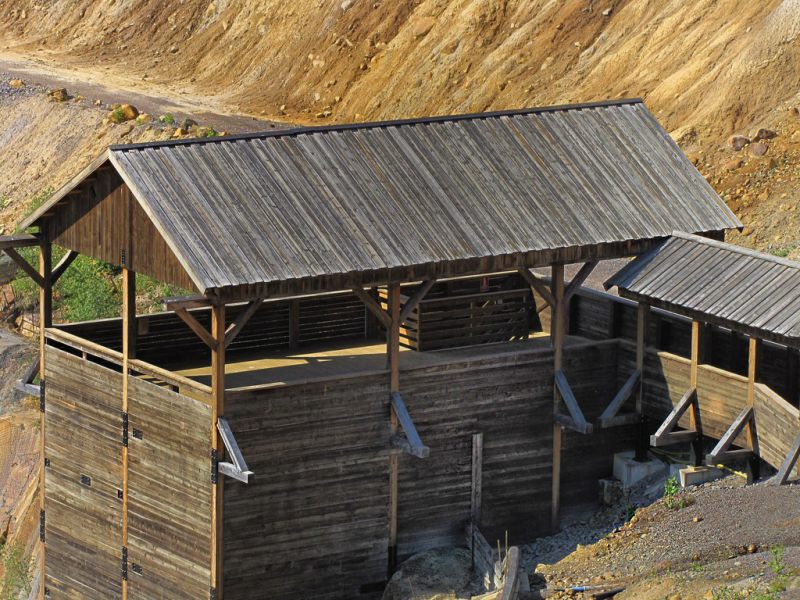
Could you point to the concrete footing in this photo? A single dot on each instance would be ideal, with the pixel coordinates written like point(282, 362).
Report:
point(690, 475)
point(630, 471)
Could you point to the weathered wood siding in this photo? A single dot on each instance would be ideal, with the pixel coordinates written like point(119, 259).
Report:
point(314, 522)
point(778, 424)
point(83, 439)
point(164, 336)
point(106, 221)
point(169, 494)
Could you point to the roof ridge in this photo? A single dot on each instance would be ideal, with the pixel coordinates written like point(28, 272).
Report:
point(738, 249)
point(293, 131)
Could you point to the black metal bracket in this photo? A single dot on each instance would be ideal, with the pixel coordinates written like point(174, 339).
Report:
point(41, 525)
point(136, 569)
point(124, 563)
point(125, 429)
point(214, 466)
point(41, 395)
point(212, 594)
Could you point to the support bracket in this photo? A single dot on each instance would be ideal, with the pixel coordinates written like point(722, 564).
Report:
point(609, 417)
point(666, 434)
point(575, 420)
point(238, 468)
point(721, 452)
point(539, 285)
point(410, 442)
point(789, 462)
point(195, 326)
point(373, 307)
point(414, 301)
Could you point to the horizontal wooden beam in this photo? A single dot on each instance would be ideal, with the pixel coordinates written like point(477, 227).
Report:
point(621, 397)
point(21, 240)
point(412, 302)
point(577, 281)
point(31, 389)
point(673, 437)
point(25, 266)
point(186, 302)
point(236, 327)
point(569, 423)
point(720, 451)
point(789, 462)
point(195, 326)
point(373, 307)
point(728, 456)
point(63, 265)
point(539, 285)
point(417, 448)
point(565, 391)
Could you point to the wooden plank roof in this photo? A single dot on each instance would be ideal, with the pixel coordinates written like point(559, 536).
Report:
point(738, 288)
point(319, 202)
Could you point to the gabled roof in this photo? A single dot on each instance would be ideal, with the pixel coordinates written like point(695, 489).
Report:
point(715, 282)
point(317, 202)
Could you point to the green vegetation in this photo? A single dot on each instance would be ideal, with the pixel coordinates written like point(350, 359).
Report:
point(17, 578)
point(209, 132)
point(38, 200)
point(167, 119)
point(778, 584)
point(118, 115)
point(673, 500)
point(782, 251)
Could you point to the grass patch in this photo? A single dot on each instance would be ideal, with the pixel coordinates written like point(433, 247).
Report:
point(17, 578)
point(673, 499)
point(777, 586)
point(166, 119)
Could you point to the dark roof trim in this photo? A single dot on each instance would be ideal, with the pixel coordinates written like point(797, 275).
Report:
point(377, 124)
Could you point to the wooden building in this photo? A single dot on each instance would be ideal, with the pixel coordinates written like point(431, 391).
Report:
point(358, 370)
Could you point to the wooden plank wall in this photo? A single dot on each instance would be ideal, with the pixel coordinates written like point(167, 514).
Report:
point(169, 485)
point(778, 424)
point(314, 522)
point(162, 336)
point(83, 438)
point(169, 494)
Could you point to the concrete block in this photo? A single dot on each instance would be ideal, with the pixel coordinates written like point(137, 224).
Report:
point(690, 476)
point(610, 491)
point(629, 471)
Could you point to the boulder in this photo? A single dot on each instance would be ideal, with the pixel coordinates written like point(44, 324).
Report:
point(16, 83)
point(737, 142)
point(58, 95)
point(758, 149)
point(764, 134)
point(123, 113)
point(188, 124)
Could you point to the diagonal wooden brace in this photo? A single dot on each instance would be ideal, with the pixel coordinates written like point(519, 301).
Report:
point(575, 420)
point(721, 451)
point(412, 444)
point(666, 434)
point(609, 416)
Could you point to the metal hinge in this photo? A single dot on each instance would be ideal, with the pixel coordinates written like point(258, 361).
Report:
point(123, 257)
point(214, 465)
point(41, 525)
point(124, 563)
point(41, 395)
point(125, 429)
point(212, 594)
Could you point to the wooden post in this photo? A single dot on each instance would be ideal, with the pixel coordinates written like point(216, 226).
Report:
point(752, 374)
point(792, 363)
point(642, 330)
point(129, 333)
point(45, 321)
point(477, 488)
point(393, 359)
point(217, 410)
point(557, 321)
point(696, 354)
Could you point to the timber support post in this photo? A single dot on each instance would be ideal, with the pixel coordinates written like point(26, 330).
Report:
point(129, 333)
point(642, 329)
point(217, 410)
point(697, 355)
point(753, 348)
point(45, 321)
point(393, 360)
point(557, 341)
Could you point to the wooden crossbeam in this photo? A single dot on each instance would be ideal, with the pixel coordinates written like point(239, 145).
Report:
point(666, 434)
point(412, 302)
point(25, 383)
point(577, 420)
point(236, 327)
point(25, 266)
point(625, 392)
point(415, 445)
point(373, 306)
point(195, 326)
point(539, 285)
point(63, 265)
point(789, 462)
point(186, 302)
point(721, 451)
point(579, 278)
point(20, 240)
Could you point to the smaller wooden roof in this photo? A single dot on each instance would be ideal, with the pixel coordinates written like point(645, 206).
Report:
point(734, 287)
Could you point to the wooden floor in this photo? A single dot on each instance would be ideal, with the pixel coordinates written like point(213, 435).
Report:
point(337, 361)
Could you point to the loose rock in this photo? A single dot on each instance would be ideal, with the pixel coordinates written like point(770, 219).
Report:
point(737, 142)
point(123, 113)
point(758, 149)
point(764, 134)
point(58, 95)
point(732, 165)
point(16, 83)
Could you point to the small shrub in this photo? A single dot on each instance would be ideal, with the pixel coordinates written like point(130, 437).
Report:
point(167, 119)
point(672, 499)
point(17, 579)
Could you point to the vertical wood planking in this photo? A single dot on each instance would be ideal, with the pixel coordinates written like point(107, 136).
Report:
point(45, 320)
point(393, 359)
point(753, 347)
point(128, 352)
